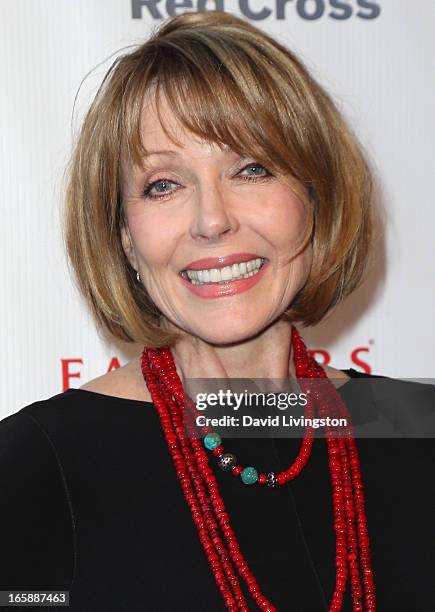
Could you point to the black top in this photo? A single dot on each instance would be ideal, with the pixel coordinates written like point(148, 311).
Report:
point(90, 503)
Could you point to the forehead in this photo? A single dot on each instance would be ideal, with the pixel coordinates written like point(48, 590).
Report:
point(160, 130)
point(153, 120)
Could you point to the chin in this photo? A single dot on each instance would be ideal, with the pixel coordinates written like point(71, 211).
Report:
point(222, 333)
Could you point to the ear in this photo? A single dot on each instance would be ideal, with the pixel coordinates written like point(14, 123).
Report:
point(127, 245)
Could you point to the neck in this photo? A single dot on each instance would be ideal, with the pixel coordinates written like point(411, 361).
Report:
point(267, 355)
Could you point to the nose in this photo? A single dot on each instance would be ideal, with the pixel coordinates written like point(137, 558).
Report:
point(214, 215)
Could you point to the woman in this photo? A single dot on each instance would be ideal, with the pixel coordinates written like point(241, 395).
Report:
point(215, 198)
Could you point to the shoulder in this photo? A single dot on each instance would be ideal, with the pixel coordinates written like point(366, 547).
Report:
point(126, 382)
point(28, 443)
point(403, 408)
point(387, 387)
point(414, 393)
point(34, 503)
point(411, 391)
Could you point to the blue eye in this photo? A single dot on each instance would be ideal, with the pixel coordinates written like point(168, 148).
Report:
point(160, 188)
point(257, 170)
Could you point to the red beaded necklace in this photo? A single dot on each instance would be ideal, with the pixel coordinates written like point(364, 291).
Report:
point(201, 491)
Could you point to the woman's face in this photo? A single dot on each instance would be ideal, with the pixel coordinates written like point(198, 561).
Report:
point(200, 202)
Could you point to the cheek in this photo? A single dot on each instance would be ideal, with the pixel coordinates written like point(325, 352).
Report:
point(286, 223)
point(154, 238)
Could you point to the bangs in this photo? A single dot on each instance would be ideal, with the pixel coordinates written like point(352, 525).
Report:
point(227, 98)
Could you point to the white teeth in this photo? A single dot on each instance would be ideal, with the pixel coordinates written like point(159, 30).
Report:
point(227, 273)
point(235, 270)
point(215, 275)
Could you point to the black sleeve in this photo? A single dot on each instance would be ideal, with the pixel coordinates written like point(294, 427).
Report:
point(36, 520)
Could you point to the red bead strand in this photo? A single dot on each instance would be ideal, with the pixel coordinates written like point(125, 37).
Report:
point(348, 500)
point(201, 491)
point(174, 385)
point(203, 520)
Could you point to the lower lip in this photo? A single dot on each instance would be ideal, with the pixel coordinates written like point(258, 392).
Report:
point(226, 288)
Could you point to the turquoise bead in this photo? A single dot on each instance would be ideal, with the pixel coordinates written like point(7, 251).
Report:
point(212, 440)
point(249, 475)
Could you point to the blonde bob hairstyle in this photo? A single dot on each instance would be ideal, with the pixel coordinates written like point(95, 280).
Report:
point(231, 84)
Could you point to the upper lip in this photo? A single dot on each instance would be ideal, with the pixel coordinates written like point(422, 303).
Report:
point(220, 262)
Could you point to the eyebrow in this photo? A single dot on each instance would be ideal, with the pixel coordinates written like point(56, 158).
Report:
point(163, 152)
point(225, 148)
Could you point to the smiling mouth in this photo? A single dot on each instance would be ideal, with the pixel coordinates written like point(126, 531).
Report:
point(225, 274)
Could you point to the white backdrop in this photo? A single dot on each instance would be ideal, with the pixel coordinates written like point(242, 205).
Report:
point(377, 59)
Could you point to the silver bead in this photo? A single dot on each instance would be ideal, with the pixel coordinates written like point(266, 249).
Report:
point(271, 479)
point(227, 461)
